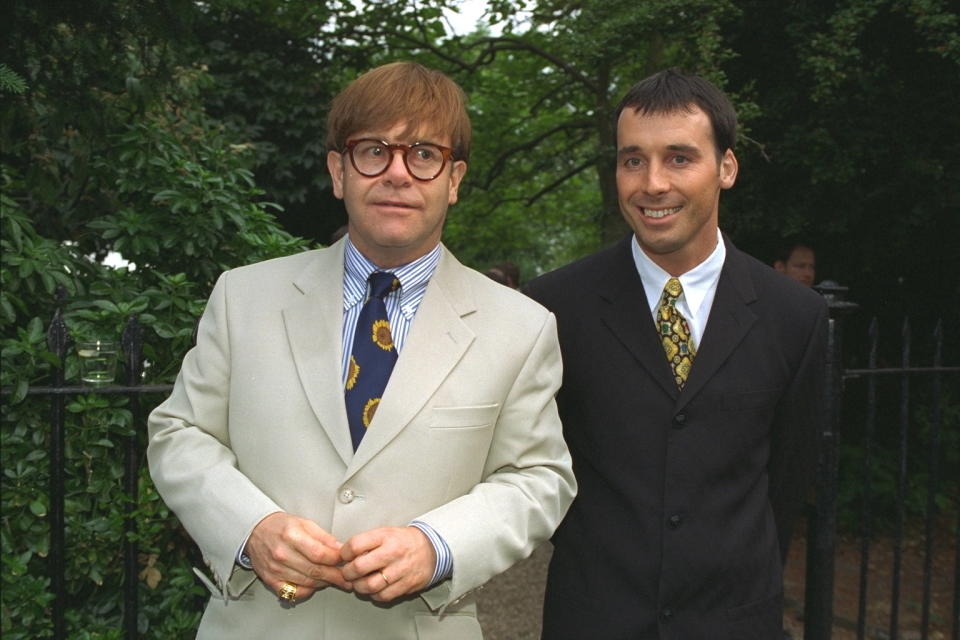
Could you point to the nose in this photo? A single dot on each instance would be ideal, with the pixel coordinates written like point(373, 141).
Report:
point(396, 172)
point(657, 182)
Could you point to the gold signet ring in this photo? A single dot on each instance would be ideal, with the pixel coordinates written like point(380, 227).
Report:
point(288, 592)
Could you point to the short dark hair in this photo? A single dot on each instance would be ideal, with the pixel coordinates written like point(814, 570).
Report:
point(673, 90)
point(785, 252)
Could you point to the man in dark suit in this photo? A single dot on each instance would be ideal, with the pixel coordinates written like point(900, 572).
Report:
point(690, 397)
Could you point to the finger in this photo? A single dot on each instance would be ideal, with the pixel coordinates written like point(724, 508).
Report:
point(314, 550)
point(394, 590)
point(327, 576)
point(322, 536)
point(361, 544)
point(371, 583)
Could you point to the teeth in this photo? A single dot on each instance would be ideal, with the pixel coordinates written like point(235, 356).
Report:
point(659, 213)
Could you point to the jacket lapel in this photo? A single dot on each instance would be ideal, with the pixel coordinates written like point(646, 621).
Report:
point(314, 325)
point(437, 340)
point(628, 318)
point(729, 321)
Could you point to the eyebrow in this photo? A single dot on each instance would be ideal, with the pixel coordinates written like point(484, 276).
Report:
point(683, 148)
point(372, 136)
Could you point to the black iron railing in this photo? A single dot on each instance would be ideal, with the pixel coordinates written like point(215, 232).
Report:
point(58, 342)
point(819, 616)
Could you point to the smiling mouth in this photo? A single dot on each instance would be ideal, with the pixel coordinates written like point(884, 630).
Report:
point(659, 213)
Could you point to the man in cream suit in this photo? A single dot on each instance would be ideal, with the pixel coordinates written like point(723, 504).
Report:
point(310, 529)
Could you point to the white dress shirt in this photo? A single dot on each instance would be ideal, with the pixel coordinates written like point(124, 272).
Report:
point(699, 286)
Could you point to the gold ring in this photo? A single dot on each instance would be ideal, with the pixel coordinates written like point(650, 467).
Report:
point(288, 592)
point(382, 575)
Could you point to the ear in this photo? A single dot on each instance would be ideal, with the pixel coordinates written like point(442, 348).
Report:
point(457, 172)
point(728, 169)
point(336, 169)
point(779, 266)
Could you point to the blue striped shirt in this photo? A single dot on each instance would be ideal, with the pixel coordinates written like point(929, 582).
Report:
point(402, 306)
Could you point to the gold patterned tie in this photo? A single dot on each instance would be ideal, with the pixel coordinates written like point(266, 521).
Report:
point(675, 333)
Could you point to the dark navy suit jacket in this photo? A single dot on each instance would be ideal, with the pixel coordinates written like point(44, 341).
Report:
point(686, 499)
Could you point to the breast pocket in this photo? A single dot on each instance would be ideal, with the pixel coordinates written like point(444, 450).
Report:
point(467, 417)
point(458, 439)
point(750, 400)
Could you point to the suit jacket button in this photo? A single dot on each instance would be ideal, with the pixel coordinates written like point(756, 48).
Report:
point(674, 521)
point(347, 496)
point(665, 614)
point(680, 419)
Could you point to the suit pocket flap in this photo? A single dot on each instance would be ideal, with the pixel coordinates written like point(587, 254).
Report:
point(770, 604)
point(461, 627)
point(464, 417)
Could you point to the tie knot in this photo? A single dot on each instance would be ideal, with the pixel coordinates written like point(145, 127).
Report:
point(673, 288)
point(382, 283)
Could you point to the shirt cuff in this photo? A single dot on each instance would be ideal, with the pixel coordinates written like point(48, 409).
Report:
point(444, 568)
point(243, 559)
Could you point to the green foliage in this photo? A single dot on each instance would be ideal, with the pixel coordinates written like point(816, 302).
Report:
point(928, 451)
point(857, 152)
point(540, 190)
point(111, 150)
point(10, 81)
point(175, 170)
point(94, 511)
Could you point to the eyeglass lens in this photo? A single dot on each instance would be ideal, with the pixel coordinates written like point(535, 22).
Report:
point(371, 157)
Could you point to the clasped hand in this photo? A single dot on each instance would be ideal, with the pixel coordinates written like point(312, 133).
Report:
point(384, 563)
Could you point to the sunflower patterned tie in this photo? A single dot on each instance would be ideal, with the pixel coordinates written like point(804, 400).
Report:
point(675, 333)
point(372, 357)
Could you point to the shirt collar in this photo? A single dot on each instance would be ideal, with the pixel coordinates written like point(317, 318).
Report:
point(696, 283)
point(413, 276)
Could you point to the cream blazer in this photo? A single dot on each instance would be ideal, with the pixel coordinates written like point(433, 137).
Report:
point(466, 439)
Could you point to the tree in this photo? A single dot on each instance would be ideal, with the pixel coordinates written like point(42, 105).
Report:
point(857, 121)
point(541, 187)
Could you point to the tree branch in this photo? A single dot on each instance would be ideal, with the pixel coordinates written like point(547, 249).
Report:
point(556, 183)
point(504, 43)
point(498, 165)
point(760, 146)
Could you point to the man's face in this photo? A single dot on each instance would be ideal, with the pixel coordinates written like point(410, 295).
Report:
point(668, 184)
point(393, 218)
point(801, 266)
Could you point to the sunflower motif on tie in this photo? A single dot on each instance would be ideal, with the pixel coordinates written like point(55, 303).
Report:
point(382, 336)
point(675, 333)
point(353, 372)
point(369, 409)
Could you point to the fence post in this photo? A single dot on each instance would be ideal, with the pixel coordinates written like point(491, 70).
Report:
point(57, 338)
point(132, 344)
point(821, 538)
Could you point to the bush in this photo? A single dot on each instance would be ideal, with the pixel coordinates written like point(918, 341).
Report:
point(172, 190)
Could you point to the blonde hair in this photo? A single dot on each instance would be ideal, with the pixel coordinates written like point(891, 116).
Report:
point(401, 92)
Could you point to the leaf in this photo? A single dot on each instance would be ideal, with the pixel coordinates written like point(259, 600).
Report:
point(106, 305)
point(20, 391)
point(38, 509)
